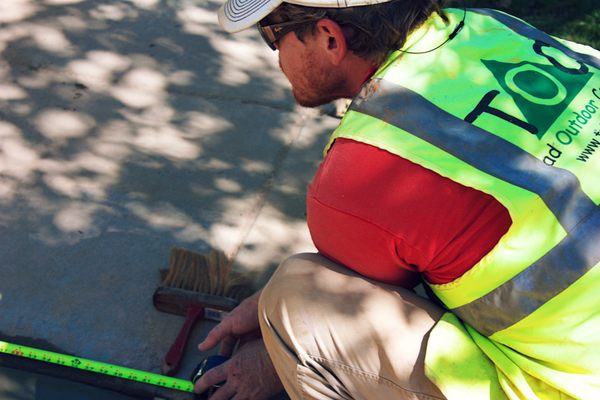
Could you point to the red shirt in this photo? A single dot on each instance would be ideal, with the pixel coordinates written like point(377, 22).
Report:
point(390, 219)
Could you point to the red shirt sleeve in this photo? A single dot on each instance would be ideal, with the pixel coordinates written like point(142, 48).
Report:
point(390, 219)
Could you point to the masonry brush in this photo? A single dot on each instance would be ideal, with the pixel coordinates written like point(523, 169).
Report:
point(197, 285)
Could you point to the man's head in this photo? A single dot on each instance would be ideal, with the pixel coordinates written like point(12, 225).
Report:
point(335, 43)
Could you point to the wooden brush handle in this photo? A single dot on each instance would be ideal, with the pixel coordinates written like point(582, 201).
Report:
point(175, 353)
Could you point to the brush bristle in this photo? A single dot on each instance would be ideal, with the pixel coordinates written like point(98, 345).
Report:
point(209, 273)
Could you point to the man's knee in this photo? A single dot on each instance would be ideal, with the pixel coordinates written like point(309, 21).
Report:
point(289, 282)
point(305, 280)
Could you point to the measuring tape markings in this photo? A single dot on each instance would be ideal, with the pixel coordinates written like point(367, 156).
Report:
point(96, 366)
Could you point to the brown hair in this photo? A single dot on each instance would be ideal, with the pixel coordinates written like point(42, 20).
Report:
point(377, 29)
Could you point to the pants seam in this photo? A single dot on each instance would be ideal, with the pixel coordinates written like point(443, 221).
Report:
point(303, 394)
point(333, 364)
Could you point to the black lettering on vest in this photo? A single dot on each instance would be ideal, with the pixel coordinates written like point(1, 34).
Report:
point(549, 161)
point(484, 106)
point(539, 45)
point(553, 155)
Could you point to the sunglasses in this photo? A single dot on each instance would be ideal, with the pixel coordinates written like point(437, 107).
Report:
point(272, 33)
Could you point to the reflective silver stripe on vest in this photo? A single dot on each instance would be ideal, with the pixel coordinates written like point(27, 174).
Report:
point(402, 107)
point(530, 32)
point(533, 287)
point(559, 189)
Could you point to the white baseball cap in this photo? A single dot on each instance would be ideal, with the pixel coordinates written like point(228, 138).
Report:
point(237, 15)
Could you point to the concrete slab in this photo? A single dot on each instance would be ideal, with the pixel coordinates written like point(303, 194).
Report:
point(127, 128)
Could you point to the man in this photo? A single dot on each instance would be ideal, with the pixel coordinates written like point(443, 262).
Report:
point(468, 159)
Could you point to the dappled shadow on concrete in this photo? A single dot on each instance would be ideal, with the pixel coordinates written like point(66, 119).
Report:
point(127, 128)
point(110, 103)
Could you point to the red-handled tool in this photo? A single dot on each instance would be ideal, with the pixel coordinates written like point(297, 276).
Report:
point(197, 286)
point(194, 306)
point(173, 358)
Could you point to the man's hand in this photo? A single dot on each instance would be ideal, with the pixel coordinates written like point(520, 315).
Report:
point(242, 322)
point(248, 375)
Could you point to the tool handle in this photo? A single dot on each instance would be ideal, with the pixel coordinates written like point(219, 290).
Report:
point(175, 353)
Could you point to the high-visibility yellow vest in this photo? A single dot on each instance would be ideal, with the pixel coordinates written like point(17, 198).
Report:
point(515, 113)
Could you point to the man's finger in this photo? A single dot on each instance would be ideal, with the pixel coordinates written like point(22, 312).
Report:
point(218, 333)
point(212, 377)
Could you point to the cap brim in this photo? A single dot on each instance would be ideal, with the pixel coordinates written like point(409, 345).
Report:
point(237, 15)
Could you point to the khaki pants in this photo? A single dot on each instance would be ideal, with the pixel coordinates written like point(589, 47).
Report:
point(333, 334)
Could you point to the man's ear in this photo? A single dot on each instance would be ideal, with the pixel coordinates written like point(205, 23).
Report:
point(330, 37)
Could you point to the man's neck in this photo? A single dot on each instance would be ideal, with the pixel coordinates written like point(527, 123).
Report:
point(358, 71)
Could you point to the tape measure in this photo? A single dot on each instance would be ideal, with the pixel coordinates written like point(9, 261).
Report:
point(96, 366)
